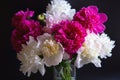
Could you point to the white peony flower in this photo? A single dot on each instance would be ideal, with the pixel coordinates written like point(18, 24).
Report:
point(90, 51)
point(29, 57)
point(107, 46)
point(94, 48)
point(57, 11)
point(51, 50)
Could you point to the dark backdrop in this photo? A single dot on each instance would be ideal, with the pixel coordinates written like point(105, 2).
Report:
point(9, 65)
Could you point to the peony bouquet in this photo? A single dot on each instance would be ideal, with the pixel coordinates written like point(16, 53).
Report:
point(60, 37)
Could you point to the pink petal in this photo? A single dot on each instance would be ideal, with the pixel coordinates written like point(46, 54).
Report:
point(93, 8)
point(101, 28)
point(103, 17)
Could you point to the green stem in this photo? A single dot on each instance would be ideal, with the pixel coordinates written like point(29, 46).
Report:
point(65, 72)
point(64, 69)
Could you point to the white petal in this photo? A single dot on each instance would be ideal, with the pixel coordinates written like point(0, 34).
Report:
point(105, 41)
point(57, 11)
point(66, 56)
point(90, 51)
point(29, 57)
point(78, 61)
point(51, 50)
point(53, 60)
point(42, 69)
point(96, 62)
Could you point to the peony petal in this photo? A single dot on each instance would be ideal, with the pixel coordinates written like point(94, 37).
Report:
point(57, 11)
point(103, 17)
point(100, 28)
point(55, 59)
point(96, 62)
point(77, 61)
point(42, 69)
point(30, 61)
point(93, 8)
point(90, 19)
point(105, 41)
point(66, 56)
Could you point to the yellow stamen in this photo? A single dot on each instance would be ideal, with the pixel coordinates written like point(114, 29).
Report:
point(50, 48)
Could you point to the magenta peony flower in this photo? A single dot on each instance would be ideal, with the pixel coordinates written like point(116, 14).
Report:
point(91, 19)
point(21, 19)
point(24, 28)
point(70, 34)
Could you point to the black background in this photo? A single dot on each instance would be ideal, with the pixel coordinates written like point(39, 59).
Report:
point(9, 65)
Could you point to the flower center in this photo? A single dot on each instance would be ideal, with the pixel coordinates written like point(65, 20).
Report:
point(50, 48)
point(89, 52)
point(86, 54)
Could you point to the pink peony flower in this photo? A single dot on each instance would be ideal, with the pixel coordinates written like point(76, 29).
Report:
point(21, 19)
point(91, 19)
point(23, 29)
point(70, 34)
